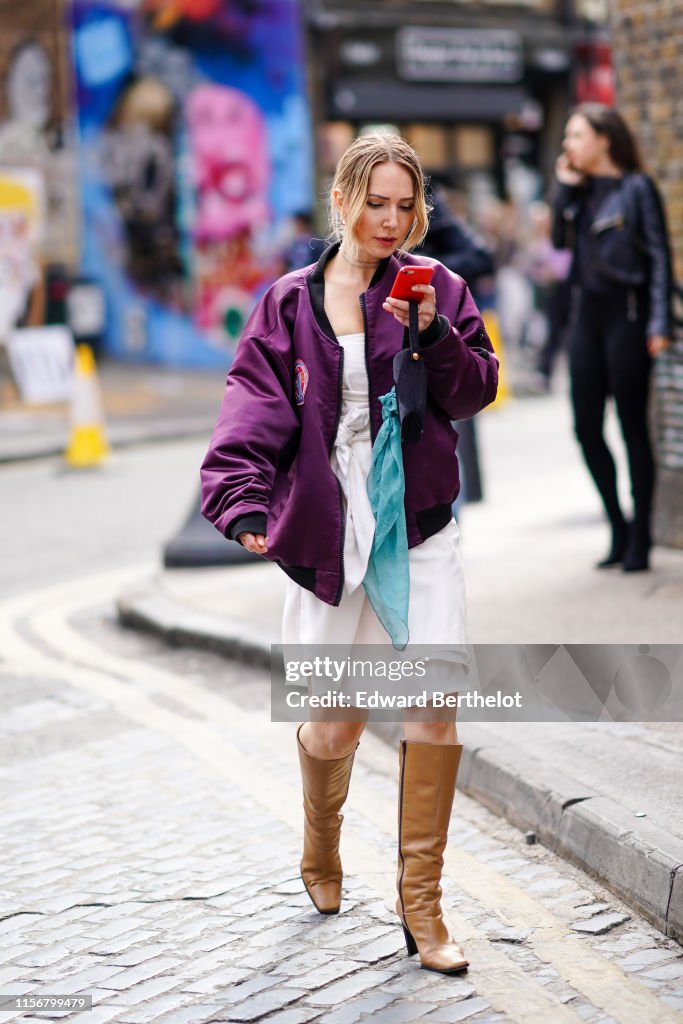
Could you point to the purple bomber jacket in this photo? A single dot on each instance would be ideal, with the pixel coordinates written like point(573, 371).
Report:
point(268, 469)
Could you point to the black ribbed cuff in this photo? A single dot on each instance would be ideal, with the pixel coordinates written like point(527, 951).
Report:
point(254, 522)
point(437, 330)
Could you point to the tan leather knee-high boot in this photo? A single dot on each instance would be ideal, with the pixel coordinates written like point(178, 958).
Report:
point(426, 789)
point(326, 784)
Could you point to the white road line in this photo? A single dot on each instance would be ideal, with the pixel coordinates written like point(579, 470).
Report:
point(80, 592)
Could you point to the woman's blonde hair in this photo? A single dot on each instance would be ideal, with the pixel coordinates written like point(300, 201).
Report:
point(352, 179)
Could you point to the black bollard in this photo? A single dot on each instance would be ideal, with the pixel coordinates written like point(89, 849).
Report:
point(468, 456)
point(199, 544)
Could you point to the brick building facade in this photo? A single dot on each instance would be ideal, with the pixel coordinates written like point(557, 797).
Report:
point(648, 57)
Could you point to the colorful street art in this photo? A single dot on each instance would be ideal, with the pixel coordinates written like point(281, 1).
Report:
point(22, 223)
point(33, 119)
point(195, 148)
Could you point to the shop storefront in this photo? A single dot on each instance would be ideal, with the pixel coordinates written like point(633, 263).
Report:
point(480, 90)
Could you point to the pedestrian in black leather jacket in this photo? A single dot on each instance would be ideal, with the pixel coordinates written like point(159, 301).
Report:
point(451, 241)
point(610, 213)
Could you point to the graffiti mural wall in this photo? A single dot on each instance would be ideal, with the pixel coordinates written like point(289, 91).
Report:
point(35, 150)
point(194, 149)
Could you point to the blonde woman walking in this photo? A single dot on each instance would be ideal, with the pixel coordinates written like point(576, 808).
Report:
point(332, 390)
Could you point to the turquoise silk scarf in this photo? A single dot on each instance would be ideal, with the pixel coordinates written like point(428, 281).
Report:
point(387, 580)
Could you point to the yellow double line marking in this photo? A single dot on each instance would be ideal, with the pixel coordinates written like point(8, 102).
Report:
point(495, 975)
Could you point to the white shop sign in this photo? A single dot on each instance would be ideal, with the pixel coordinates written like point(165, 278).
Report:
point(459, 55)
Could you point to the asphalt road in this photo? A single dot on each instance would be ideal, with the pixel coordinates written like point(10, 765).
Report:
point(61, 525)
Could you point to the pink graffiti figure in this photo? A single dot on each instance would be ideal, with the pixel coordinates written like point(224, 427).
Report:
point(229, 153)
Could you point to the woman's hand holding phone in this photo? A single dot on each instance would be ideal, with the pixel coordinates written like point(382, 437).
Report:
point(397, 301)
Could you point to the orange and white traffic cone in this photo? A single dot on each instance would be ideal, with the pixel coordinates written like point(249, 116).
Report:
point(87, 442)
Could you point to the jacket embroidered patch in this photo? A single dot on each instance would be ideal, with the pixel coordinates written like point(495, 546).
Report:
point(301, 376)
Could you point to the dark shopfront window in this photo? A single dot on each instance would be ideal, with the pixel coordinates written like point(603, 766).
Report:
point(469, 154)
point(442, 147)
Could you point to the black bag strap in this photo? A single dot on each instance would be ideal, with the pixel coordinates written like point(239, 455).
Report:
point(413, 332)
point(410, 377)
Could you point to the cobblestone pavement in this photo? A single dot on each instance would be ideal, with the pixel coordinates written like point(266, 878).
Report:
point(151, 838)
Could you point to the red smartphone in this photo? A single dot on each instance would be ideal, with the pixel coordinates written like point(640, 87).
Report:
point(406, 278)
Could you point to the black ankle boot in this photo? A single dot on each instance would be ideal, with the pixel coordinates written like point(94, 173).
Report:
point(636, 556)
point(620, 540)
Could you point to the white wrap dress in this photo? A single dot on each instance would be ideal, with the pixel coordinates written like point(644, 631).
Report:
point(436, 615)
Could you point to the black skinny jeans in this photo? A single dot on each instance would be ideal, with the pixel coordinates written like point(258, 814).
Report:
point(608, 356)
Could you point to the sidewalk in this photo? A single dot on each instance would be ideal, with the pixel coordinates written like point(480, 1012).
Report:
point(141, 403)
point(607, 796)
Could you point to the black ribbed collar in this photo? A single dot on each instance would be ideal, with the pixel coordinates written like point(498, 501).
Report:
point(332, 250)
point(316, 286)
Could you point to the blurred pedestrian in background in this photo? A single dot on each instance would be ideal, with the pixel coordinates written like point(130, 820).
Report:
point(451, 241)
point(501, 226)
point(304, 248)
point(609, 212)
point(547, 268)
